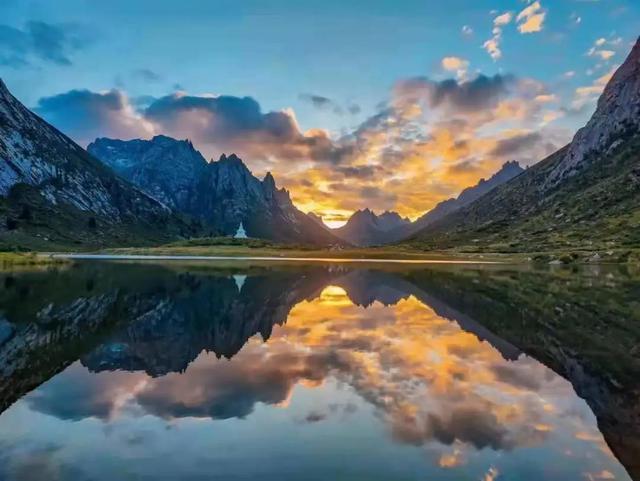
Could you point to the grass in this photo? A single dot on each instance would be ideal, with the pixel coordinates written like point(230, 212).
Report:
point(228, 247)
point(224, 246)
point(13, 259)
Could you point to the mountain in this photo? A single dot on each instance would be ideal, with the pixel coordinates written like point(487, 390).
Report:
point(586, 196)
point(365, 228)
point(53, 193)
point(508, 171)
point(221, 194)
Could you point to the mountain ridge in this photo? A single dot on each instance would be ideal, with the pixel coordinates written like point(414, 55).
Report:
point(220, 194)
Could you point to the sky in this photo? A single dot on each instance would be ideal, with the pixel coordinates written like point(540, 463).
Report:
point(381, 104)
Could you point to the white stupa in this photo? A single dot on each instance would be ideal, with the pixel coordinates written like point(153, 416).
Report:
point(240, 233)
point(239, 279)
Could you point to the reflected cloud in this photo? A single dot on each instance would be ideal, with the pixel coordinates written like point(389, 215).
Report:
point(431, 375)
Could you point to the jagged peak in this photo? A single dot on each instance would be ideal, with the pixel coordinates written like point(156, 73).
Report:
point(510, 164)
point(269, 181)
point(162, 139)
point(362, 214)
point(232, 158)
point(392, 214)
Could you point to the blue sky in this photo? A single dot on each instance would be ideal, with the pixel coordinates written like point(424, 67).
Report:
point(349, 57)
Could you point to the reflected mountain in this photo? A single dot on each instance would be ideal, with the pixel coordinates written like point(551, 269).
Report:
point(164, 320)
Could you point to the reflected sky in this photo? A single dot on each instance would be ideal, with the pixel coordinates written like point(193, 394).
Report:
point(363, 380)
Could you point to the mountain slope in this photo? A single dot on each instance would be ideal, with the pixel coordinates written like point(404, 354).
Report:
point(585, 196)
point(507, 172)
point(220, 194)
point(53, 193)
point(365, 228)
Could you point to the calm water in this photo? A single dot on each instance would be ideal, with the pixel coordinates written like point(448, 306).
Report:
point(114, 371)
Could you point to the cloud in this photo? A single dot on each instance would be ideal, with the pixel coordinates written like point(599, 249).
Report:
point(502, 20)
point(470, 424)
point(514, 145)
point(467, 30)
point(86, 115)
point(227, 123)
point(588, 94)
point(492, 46)
point(531, 19)
point(317, 101)
point(471, 95)
point(221, 391)
point(147, 75)
point(457, 65)
point(81, 394)
point(603, 48)
point(603, 54)
point(42, 41)
point(325, 103)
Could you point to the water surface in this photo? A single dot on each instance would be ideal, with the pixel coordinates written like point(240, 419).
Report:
point(315, 372)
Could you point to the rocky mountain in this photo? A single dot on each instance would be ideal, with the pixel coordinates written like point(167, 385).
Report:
point(365, 228)
point(586, 196)
point(508, 171)
point(220, 194)
point(52, 192)
point(617, 117)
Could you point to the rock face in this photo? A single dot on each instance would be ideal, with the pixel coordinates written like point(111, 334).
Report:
point(617, 117)
point(220, 194)
point(365, 228)
point(46, 179)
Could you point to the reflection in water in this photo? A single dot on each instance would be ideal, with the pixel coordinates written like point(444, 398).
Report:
point(143, 371)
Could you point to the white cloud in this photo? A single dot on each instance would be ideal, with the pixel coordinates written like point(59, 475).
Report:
point(503, 19)
point(531, 19)
point(467, 30)
point(456, 64)
point(492, 46)
point(602, 48)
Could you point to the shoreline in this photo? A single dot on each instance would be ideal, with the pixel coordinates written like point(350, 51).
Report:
point(156, 257)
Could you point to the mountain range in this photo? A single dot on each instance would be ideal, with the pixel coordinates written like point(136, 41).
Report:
point(365, 228)
point(219, 194)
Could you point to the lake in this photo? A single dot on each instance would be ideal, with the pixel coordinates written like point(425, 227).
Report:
point(319, 371)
